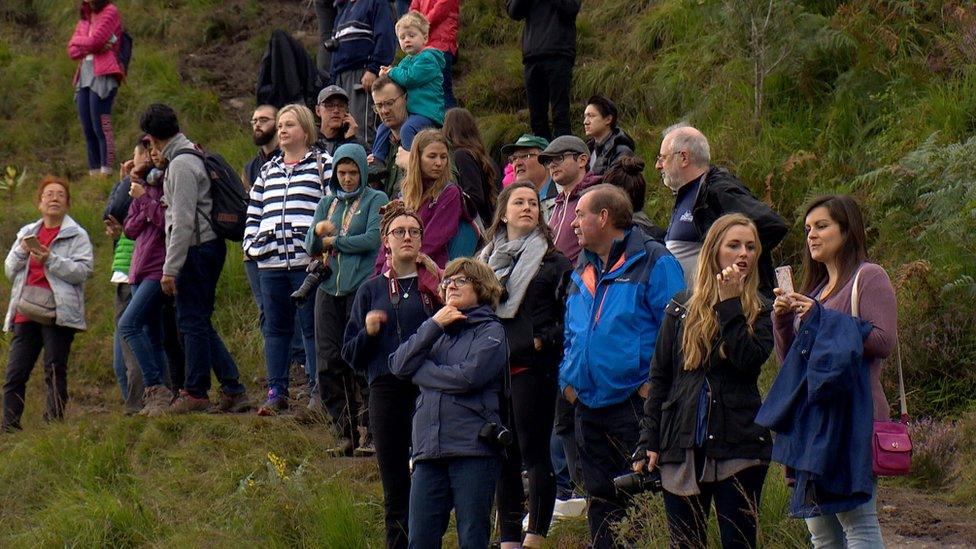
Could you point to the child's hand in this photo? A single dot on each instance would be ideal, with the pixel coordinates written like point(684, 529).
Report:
point(384, 69)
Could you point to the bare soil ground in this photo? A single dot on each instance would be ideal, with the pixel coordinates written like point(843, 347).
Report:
point(915, 520)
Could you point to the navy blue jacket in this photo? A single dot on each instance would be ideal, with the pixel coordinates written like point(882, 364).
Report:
point(460, 372)
point(367, 40)
point(820, 408)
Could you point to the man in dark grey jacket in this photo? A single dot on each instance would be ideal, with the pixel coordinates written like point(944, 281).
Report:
point(194, 258)
point(548, 55)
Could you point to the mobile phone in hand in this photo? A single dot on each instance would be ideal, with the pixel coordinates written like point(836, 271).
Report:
point(784, 278)
point(33, 244)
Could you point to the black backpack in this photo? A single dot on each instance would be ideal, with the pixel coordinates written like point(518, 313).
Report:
point(124, 54)
point(228, 210)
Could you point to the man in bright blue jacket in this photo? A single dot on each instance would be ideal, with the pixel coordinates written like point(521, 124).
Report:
point(615, 305)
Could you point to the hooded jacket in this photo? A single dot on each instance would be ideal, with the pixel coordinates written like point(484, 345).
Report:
point(367, 39)
point(145, 223)
point(67, 268)
point(821, 410)
point(605, 155)
point(460, 371)
point(279, 213)
point(90, 37)
point(354, 249)
point(613, 315)
point(550, 27)
point(186, 193)
point(422, 75)
point(563, 214)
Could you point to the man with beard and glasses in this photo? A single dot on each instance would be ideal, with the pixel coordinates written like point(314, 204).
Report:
point(265, 136)
point(338, 127)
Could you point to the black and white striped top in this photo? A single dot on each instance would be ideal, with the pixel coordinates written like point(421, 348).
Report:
point(279, 214)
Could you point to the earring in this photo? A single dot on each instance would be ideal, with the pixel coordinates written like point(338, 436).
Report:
point(504, 220)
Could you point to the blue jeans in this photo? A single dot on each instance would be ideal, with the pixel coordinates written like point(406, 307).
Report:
point(854, 529)
point(465, 484)
point(95, 115)
point(279, 324)
point(196, 291)
point(142, 328)
point(411, 127)
point(297, 351)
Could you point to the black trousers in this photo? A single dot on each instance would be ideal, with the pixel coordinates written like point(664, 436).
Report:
point(173, 344)
point(391, 406)
point(29, 339)
point(547, 84)
point(606, 438)
point(533, 404)
point(736, 504)
point(344, 392)
point(565, 429)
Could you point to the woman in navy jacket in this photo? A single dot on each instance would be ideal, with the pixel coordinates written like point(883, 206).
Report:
point(457, 358)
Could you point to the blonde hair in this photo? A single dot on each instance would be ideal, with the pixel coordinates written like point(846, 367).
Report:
point(486, 284)
point(305, 119)
point(413, 19)
point(412, 187)
point(701, 325)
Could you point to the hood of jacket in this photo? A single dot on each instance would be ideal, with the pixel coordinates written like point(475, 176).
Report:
point(356, 153)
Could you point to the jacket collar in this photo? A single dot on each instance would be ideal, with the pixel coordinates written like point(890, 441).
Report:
point(69, 227)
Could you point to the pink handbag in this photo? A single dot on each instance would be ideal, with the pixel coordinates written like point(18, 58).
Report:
point(891, 446)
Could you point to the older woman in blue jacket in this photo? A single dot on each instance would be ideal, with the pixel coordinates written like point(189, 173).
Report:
point(457, 358)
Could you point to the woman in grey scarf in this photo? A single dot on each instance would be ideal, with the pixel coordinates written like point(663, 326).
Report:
point(520, 251)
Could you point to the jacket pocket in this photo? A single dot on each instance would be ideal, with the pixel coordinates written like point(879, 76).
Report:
point(739, 416)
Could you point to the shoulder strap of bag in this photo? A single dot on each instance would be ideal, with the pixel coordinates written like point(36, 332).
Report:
point(855, 312)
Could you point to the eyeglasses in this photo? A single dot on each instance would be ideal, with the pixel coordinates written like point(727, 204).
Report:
point(663, 157)
point(549, 161)
point(400, 232)
point(388, 104)
point(521, 156)
point(261, 120)
point(458, 281)
point(333, 105)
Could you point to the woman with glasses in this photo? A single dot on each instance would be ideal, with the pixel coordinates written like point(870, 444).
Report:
point(387, 310)
point(457, 358)
point(521, 253)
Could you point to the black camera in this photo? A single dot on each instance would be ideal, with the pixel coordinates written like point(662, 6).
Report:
point(317, 272)
point(493, 433)
point(330, 44)
point(637, 483)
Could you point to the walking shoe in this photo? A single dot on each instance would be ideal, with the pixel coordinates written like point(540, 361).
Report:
point(156, 399)
point(234, 404)
point(343, 448)
point(276, 403)
point(186, 403)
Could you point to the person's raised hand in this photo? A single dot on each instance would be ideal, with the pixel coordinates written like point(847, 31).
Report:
point(730, 282)
point(374, 321)
point(136, 190)
point(448, 314)
point(802, 304)
point(112, 227)
point(782, 305)
point(324, 228)
point(350, 121)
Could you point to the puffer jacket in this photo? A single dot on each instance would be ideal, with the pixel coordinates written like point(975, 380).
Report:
point(460, 372)
point(606, 155)
point(354, 250)
point(90, 38)
point(68, 267)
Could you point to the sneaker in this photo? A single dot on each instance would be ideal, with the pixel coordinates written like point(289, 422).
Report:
point(568, 508)
point(186, 403)
point(276, 403)
point(234, 404)
point(342, 448)
point(156, 399)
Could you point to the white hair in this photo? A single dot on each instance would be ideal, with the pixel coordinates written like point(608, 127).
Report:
point(688, 138)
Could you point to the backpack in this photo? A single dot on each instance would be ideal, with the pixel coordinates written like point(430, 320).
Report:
point(124, 53)
point(470, 234)
point(228, 210)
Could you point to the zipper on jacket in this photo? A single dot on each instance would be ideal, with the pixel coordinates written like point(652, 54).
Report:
point(284, 201)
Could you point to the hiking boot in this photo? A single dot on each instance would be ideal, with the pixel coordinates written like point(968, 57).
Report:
point(276, 403)
point(186, 403)
point(156, 400)
point(234, 404)
point(343, 448)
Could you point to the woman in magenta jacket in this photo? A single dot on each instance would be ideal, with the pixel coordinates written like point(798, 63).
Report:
point(95, 45)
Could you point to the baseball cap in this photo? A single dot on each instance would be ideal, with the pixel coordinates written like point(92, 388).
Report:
point(526, 141)
point(563, 144)
point(330, 91)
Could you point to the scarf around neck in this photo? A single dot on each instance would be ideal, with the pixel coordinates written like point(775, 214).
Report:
point(515, 263)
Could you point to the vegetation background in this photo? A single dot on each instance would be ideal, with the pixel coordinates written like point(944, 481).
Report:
point(876, 98)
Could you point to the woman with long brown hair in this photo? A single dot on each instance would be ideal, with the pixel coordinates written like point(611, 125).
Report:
point(476, 171)
point(699, 427)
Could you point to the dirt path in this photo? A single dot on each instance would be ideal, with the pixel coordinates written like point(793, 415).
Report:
point(916, 520)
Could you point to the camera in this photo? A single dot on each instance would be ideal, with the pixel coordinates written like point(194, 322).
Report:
point(493, 433)
point(317, 272)
point(330, 44)
point(637, 483)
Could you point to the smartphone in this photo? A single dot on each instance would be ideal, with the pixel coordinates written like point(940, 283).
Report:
point(32, 243)
point(784, 278)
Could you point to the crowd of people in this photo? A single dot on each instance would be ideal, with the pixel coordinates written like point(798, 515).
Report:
point(498, 338)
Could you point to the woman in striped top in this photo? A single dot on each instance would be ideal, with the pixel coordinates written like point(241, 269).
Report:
point(279, 215)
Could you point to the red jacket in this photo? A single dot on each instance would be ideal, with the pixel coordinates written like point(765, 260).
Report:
point(443, 16)
point(91, 36)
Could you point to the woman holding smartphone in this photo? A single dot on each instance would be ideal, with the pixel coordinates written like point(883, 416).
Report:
point(49, 263)
point(704, 395)
point(834, 260)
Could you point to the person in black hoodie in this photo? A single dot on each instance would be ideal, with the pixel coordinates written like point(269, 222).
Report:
point(699, 416)
point(387, 310)
point(521, 252)
point(607, 143)
point(548, 56)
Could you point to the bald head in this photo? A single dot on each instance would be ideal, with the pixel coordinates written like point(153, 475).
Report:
point(684, 156)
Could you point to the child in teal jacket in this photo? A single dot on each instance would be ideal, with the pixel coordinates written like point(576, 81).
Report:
point(421, 74)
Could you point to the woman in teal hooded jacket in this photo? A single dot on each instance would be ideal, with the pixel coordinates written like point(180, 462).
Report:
point(347, 236)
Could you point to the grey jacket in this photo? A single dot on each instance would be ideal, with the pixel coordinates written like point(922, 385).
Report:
point(66, 270)
point(460, 373)
point(186, 194)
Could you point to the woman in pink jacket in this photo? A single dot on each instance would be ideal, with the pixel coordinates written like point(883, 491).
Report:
point(95, 45)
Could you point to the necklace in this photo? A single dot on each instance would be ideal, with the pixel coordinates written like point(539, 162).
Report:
point(406, 293)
